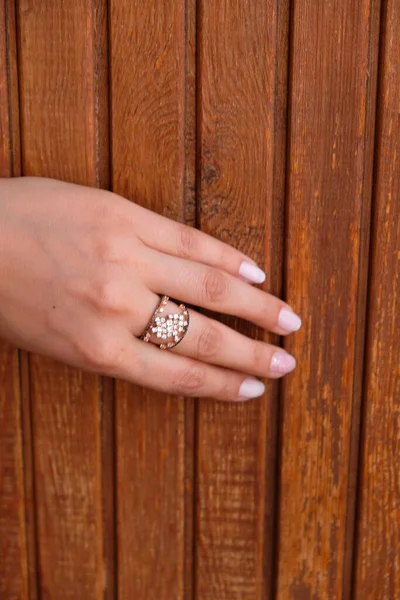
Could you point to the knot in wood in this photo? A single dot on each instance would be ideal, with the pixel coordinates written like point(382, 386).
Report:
point(210, 173)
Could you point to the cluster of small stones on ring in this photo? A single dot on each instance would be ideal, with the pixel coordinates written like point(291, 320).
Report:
point(171, 326)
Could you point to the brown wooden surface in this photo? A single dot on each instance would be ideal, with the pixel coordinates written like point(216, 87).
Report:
point(238, 135)
point(13, 561)
point(60, 88)
point(153, 164)
point(328, 199)
point(378, 555)
point(254, 121)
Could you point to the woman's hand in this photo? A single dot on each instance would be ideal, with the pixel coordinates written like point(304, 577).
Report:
point(81, 272)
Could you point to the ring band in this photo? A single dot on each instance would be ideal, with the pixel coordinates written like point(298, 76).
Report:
point(173, 325)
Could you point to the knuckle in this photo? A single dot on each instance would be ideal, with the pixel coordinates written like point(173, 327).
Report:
point(215, 286)
point(225, 390)
point(189, 381)
point(185, 241)
point(258, 354)
point(105, 209)
point(224, 256)
point(108, 249)
point(105, 296)
point(208, 342)
point(100, 353)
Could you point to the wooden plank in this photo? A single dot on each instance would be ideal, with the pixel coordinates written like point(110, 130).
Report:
point(153, 164)
point(242, 99)
point(377, 566)
point(330, 153)
point(362, 293)
point(63, 96)
point(13, 563)
point(102, 117)
point(5, 142)
point(189, 217)
point(9, 114)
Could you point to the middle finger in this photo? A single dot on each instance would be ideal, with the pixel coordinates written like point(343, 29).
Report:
point(209, 287)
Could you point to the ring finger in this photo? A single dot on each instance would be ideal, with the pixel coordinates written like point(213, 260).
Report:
point(213, 342)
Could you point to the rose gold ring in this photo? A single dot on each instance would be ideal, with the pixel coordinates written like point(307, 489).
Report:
point(172, 326)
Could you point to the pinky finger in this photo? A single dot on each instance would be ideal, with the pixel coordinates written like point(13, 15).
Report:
point(145, 364)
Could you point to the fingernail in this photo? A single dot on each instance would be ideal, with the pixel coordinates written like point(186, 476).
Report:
point(251, 388)
point(282, 363)
point(288, 320)
point(252, 272)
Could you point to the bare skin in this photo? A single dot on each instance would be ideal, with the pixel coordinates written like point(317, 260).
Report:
point(82, 269)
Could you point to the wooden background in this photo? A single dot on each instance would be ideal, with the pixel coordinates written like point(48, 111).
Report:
point(273, 125)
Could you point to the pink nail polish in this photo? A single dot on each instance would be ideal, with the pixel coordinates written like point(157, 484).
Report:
point(282, 362)
point(251, 388)
point(288, 320)
point(251, 272)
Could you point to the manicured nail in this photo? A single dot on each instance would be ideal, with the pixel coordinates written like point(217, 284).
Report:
point(288, 320)
point(282, 363)
point(252, 272)
point(251, 388)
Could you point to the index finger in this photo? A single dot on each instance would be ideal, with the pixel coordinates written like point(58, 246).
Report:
point(183, 241)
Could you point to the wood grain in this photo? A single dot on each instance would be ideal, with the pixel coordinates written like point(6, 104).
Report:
point(152, 124)
point(10, 160)
point(329, 162)
point(241, 129)
point(13, 565)
point(254, 121)
point(14, 583)
point(378, 557)
point(188, 216)
point(63, 135)
point(5, 141)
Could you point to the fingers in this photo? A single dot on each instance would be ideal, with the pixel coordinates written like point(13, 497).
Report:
point(145, 364)
point(208, 287)
point(106, 346)
point(187, 242)
point(200, 368)
point(213, 342)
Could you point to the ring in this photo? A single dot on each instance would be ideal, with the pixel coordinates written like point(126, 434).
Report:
point(173, 325)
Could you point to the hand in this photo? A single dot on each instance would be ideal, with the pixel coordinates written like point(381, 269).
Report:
point(82, 270)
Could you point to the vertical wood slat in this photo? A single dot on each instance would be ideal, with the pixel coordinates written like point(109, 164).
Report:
point(377, 566)
point(63, 108)
point(5, 117)
point(10, 163)
point(13, 543)
point(241, 126)
point(329, 187)
point(152, 97)
point(101, 71)
point(189, 217)
point(362, 293)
